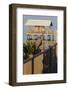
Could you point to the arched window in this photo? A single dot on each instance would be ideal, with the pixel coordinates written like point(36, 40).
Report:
point(52, 37)
point(49, 37)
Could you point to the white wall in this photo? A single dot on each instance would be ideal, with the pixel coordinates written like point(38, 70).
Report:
point(4, 44)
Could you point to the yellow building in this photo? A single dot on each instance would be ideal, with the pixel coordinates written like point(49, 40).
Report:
point(41, 29)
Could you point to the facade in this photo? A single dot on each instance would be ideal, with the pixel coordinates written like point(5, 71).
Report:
point(41, 29)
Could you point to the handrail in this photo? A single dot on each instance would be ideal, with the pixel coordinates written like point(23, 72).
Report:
point(34, 56)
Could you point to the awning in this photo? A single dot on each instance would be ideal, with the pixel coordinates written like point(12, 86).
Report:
point(38, 22)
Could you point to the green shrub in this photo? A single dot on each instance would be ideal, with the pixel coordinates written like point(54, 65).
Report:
point(30, 48)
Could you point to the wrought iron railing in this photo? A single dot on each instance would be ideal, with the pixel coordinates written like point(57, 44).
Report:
point(49, 60)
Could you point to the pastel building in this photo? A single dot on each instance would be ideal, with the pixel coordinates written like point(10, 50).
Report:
point(41, 29)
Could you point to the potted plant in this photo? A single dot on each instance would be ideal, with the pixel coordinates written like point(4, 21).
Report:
point(28, 49)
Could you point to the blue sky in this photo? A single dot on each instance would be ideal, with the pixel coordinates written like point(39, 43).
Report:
point(38, 17)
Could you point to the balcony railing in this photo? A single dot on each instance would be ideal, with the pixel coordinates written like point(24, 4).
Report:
point(43, 62)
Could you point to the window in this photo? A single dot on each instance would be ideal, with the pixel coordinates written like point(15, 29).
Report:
point(52, 37)
point(49, 37)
